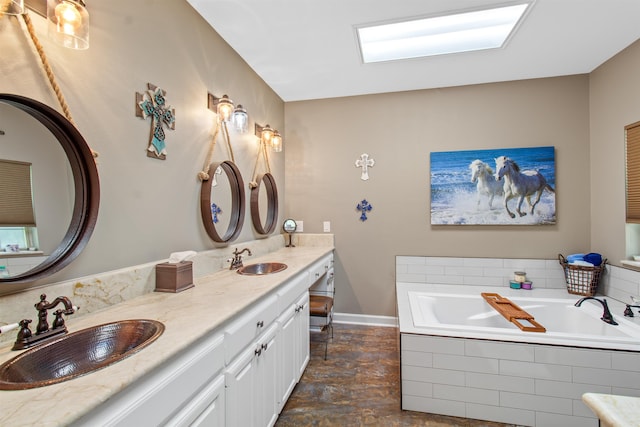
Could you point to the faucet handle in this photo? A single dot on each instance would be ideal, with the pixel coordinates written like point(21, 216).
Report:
point(24, 331)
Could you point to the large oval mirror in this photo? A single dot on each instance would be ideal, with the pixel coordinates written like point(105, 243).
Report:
point(47, 164)
point(264, 204)
point(222, 202)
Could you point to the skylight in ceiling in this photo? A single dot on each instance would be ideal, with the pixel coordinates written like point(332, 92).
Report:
point(440, 35)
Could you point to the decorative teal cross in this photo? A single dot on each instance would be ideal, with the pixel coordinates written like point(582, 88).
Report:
point(364, 207)
point(152, 104)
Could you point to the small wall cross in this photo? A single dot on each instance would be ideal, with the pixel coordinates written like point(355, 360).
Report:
point(364, 206)
point(365, 163)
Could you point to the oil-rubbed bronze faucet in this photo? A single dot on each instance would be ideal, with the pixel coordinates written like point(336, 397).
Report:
point(27, 339)
point(607, 317)
point(236, 262)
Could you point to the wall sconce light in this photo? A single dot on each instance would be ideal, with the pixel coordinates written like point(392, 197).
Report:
point(227, 113)
point(15, 7)
point(270, 137)
point(222, 106)
point(68, 23)
point(265, 133)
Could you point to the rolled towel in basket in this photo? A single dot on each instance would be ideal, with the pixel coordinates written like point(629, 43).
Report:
point(575, 257)
point(593, 258)
point(582, 263)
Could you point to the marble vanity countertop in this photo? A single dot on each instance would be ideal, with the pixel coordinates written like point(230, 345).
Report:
point(187, 316)
point(613, 410)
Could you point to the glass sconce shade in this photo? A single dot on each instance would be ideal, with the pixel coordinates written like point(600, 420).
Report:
point(241, 119)
point(276, 142)
point(267, 134)
point(225, 108)
point(15, 7)
point(68, 23)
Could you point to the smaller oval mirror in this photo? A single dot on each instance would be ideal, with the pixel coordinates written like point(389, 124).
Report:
point(222, 189)
point(289, 227)
point(264, 202)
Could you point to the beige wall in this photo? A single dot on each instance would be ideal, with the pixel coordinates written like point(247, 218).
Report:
point(399, 130)
point(614, 92)
point(148, 207)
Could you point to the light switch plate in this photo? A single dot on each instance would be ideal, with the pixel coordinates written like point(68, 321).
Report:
point(299, 226)
point(326, 226)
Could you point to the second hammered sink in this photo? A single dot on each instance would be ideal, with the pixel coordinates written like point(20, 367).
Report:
point(262, 268)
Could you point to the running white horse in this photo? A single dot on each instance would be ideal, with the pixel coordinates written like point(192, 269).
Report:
point(486, 183)
point(523, 185)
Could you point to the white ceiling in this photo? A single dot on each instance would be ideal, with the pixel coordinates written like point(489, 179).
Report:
point(307, 49)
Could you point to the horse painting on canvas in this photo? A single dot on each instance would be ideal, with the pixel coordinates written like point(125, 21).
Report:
point(486, 183)
point(524, 185)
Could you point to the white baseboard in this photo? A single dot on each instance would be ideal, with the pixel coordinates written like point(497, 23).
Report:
point(365, 319)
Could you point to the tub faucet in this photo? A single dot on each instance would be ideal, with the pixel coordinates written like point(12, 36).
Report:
point(607, 317)
point(236, 262)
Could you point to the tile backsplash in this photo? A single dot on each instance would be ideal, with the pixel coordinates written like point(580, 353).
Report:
point(616, 282)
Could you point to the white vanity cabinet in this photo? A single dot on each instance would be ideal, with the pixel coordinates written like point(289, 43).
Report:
point(241, 374)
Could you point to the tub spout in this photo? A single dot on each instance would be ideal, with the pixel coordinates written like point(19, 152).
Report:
point(607, 317)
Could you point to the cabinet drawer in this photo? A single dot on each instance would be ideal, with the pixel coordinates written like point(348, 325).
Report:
point(249, 325)
point(319, 268)
point(288, 293)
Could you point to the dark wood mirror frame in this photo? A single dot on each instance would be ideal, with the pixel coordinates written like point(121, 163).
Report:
point(272, 204)
point(85, 179)
point(237, 203)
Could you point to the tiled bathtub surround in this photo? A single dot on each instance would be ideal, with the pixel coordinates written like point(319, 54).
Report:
point(617, 283)
point(98, 291)
point(523, 384)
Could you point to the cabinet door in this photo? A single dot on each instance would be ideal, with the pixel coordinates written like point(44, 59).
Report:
point(301, 348)
point(288, 367)
point(266, 378)
point(240, 391)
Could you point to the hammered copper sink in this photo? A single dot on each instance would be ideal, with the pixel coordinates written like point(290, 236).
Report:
point(261, 269)
point(78, 353)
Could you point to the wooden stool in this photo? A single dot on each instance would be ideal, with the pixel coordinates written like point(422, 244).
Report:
point(321, 306)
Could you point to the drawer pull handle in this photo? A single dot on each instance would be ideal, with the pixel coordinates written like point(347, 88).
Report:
point(264, 346)
point(258, 351)
point(260, 324)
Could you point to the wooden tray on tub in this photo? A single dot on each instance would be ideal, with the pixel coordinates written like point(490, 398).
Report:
point(512, 312)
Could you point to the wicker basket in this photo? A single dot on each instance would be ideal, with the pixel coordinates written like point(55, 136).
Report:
point(581, 280)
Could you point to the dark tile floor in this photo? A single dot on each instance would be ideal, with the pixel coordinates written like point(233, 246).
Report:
point(358, 385)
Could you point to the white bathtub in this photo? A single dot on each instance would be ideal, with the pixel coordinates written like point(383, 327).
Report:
point(464, 313)
point(460, 357)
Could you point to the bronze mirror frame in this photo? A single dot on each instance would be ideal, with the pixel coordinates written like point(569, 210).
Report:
point(86, 183)
point(272, 204)
point(237, 202)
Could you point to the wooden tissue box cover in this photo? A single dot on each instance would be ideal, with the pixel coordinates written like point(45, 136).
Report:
point(174, 277)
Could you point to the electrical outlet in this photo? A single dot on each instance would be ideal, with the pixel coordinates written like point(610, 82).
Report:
point(299, 226)
point(326, 226)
